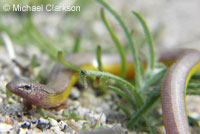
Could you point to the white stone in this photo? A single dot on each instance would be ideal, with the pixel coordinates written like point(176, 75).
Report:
point(53, 122)
point(5, 127)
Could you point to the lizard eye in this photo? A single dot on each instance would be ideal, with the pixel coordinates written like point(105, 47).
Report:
point(27, 87)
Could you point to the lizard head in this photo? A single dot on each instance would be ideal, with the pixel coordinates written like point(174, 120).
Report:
point(28, 90)
point(20, 87)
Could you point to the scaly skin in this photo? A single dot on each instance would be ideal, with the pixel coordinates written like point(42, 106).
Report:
point(173, 92)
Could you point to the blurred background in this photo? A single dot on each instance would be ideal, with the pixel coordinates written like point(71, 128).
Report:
point(172, 23)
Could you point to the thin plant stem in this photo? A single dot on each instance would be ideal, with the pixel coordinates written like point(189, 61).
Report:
point(117, 44)
point(130, 42)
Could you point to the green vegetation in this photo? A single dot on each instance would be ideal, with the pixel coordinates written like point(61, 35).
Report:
point(142, 103)
point(118, 45)
point(100, 67)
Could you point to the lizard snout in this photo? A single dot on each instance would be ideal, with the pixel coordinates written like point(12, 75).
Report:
point(11, 86)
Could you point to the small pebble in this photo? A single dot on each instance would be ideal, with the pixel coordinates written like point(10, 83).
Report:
point(43, 124)
point(34, 121)
point(75, 94)
point(53, 122)
point(26, 125)
point(64, 127)
point(44, 121)
point(18, 115)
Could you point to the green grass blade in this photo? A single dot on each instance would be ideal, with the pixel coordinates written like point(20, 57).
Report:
point(192, 92)
point(130, 42)
point(193, 85)
point(125, 109)
point(119, 80)
point(77, 43)
point(145, 108)
point(196, 76)
point(98, 54)
point(123, 95)
point(155, 78)
point(148, 35)
point(67, 64)
point(8, 94)
point(42, 113)
point(117, 44)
